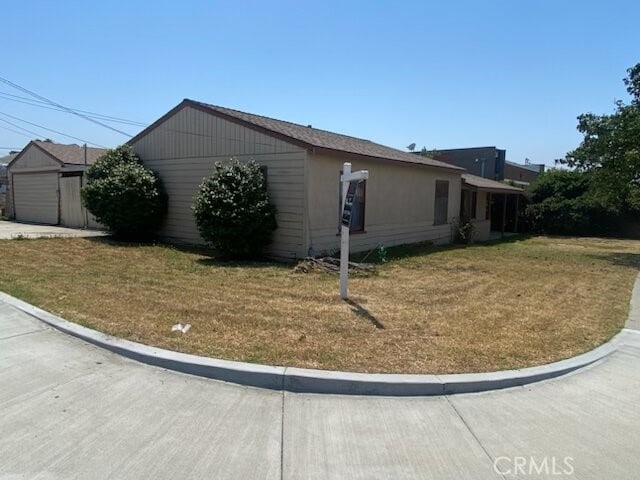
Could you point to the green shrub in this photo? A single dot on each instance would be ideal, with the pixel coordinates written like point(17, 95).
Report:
point(124, 195)
point(562, 203)
point(463, 231)
point(233, 212)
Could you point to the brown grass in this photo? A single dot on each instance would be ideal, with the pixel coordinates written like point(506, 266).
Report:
point(486, 307)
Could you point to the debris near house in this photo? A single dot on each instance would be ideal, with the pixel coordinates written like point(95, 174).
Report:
point(179, 327)
point(332, 265)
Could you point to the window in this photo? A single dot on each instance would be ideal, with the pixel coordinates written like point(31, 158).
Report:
point(263, 171)
point(468, 204)
point(487, 207)
point(357, 211)
point(441, 207)
point(474, 205)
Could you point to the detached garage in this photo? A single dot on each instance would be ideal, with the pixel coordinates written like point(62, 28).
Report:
point(45, 179)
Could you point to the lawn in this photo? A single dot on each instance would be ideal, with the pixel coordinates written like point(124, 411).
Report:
point(486, 307)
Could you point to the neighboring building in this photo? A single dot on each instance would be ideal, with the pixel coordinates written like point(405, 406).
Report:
point(487, 162)
point(490, 162)
point(45, 179)
point(406, 199)
point(522, 174)
point(4, 180)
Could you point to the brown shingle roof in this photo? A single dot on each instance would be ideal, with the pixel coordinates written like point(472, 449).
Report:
point(72, 154)
point(307, 137)
point(488, 185)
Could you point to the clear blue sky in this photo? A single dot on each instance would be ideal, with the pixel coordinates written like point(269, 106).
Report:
point(441, 74)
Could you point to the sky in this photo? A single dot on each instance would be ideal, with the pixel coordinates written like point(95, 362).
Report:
point(514, 74)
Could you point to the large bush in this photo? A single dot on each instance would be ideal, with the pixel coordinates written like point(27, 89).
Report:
point(124, 195)
point(562, 202)
point(233, 212)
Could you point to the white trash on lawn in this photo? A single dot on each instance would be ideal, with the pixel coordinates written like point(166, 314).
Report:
point(179, 327)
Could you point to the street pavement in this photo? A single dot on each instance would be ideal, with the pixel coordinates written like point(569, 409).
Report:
point(13, 230)
point(71, 410)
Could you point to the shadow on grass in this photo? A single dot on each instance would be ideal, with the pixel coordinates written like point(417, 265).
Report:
point(210, 257)
point(362, 312)
point(427, 248)
point(620, 259)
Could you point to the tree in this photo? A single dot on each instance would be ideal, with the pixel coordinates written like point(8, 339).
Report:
point(124, 195)
point(560, 203)
point(233, 212)
point(610, 149)
point(433, 153)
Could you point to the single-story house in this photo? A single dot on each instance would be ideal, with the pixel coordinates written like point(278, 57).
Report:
point(407, 198)
point(45, 179)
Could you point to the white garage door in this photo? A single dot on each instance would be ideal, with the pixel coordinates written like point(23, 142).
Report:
point(36, 197)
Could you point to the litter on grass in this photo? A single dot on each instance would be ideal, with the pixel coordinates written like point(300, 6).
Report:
point(179, 327)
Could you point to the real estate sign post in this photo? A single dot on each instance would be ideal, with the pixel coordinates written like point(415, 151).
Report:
point(350, 182)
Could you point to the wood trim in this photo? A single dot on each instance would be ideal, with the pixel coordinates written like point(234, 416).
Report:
point(35, 170)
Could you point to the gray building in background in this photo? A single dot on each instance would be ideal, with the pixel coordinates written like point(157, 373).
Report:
point(522, 174)
point(487, 162)
point(4, 180)
point(490, 162)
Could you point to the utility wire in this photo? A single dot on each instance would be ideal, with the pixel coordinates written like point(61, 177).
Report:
point(10, 148)
point(44, 128)
point(21, 128)
point(66, 109)
point(15, 131)
point(40, 104)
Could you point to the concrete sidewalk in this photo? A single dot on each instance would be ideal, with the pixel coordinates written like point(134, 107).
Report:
point(12, 230)
point(72, 410)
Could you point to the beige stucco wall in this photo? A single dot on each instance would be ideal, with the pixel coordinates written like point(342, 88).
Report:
point(399, 204)
point(183, 149)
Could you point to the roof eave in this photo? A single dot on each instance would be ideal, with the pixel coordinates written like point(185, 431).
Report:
point(359, 156)
point(211, 111)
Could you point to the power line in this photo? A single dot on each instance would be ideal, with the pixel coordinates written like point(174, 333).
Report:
point(15, 131)
point(40, 104)
point(21, 128)
point(69, 110)
point(44, 128)
point(10, 148)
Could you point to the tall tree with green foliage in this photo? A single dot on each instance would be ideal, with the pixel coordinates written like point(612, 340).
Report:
point(610, 149)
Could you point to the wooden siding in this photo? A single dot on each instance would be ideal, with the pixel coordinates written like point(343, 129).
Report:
point(72, 213)
point(183, 150)
point(399, 204)
point(33, 158)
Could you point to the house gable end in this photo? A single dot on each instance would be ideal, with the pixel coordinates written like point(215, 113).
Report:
point(33, 156)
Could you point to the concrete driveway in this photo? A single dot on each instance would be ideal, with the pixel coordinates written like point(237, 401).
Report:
point(12, 230)
point(72, 410)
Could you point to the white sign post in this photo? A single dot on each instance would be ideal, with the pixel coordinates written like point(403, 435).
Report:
point(350, 182)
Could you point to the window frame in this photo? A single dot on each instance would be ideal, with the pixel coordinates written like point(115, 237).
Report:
point(436, 217)
point(474, 205)
point(264, 170)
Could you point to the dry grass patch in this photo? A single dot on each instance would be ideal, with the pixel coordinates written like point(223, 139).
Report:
point(485, 307)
